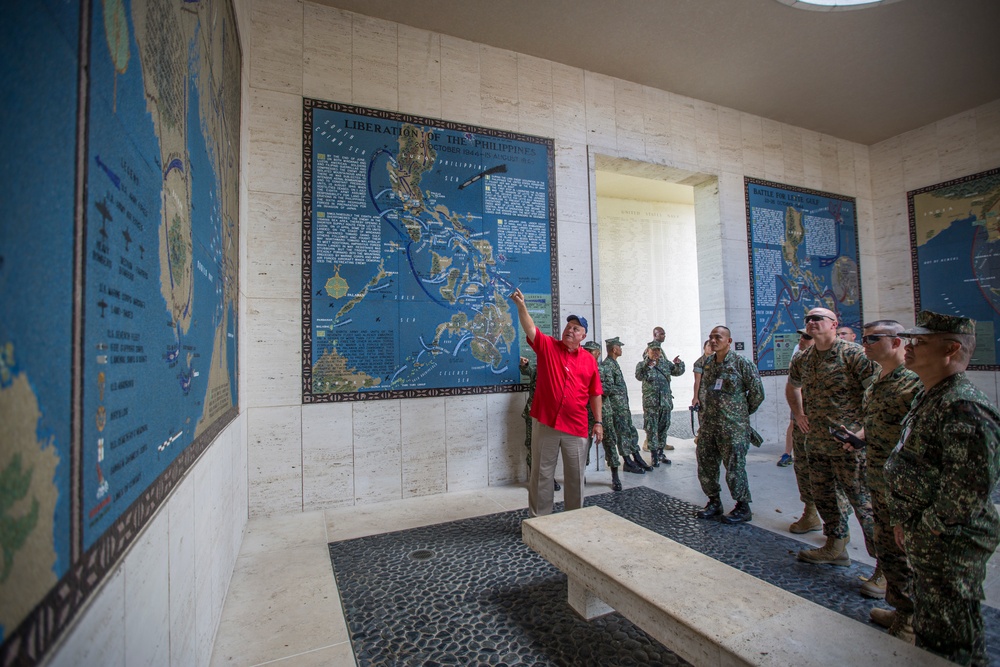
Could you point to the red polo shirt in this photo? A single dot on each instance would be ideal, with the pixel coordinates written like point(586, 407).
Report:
point(566, 380)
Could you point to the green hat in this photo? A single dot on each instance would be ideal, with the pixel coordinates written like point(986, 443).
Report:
point(591, 345)
point(936, 323)
point(653, 345)
point(613, 341)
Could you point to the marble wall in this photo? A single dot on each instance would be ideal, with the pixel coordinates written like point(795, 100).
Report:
point(318, 456)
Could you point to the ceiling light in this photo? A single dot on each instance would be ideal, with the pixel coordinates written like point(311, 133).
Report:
point(834, 5)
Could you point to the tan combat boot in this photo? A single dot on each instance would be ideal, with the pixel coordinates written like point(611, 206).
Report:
point(883, 617)
point(901, 628)
point(875, 586)
point(834, 552)
point(808, 522)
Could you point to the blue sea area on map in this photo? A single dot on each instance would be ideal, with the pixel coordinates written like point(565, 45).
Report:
point(449, 263)
point(38, 43)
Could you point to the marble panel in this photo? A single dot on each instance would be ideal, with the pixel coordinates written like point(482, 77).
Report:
point(752, 136)
point(327, 456)
point(866, 223)
point(870, 292)
point(327, 53)
point(891, 218)
point(377, 451)
point(774, 156)
point(812, 166)
point(656, 121)
point(862, 171)
point(569, 104)
point(684, 130)
point(181, 572)
point(467, 441)
point(986, 381)
point(374, 64)
point(847, 172)
point(276, 46)
point(505, 429)
point(792, 154)
point(284, 532)
point(575, 262)
point(829, 164)
point(886, 164)
point(419, 71)
point(461, 99)
point(732, 206)
point(707, 140)
point(424, 446)
point(98, 637)
point(920, 158)
point(274, 460)
point(534, 95)
point(274, 158)
point(147, 596)
point(211, 570)
point(988, 134)
point(600, 99)
point(730, 141)
point(957, 150)
point(498, 87)
point(273, 346)
point(274, 246)
point(572, 183)
point(629, 121)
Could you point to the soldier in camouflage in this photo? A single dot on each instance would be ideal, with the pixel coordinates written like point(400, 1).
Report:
point(618, 410)
point(831, 377)
point(730, 392)
point(529, 372)
point(940, 476)
point(610, 435)
point(655, 372)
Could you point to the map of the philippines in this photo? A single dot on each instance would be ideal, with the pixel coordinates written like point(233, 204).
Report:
point(955, 243)
point(803, 255)
point(418, 236)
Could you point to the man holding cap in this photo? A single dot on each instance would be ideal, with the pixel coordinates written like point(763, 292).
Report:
point(567, 380)
point(940, 477)
point(657, 399)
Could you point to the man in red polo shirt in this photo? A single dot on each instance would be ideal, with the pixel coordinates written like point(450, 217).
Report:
point(567, 379)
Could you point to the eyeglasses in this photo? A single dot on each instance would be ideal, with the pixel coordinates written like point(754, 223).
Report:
point(817, 318)
point(871, 339)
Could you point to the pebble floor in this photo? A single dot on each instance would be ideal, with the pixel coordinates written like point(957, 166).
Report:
point(470, 592)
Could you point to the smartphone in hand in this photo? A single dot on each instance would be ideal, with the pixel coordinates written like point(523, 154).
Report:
point(848, 437)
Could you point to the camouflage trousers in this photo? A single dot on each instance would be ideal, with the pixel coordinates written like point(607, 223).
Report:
point(610, 442)
point(527, 439)
point(946, 619)
point(833, 470)
point(627, 439)
point(801, 465)
point(656, 422)
point(714, 449)
point(895, 566)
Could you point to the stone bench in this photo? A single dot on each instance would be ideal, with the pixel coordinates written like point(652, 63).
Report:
point(705, 611)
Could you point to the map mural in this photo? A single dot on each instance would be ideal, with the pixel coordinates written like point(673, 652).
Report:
point(803, 248)
point(118, 335)
point(955, 248)
point(416, 231)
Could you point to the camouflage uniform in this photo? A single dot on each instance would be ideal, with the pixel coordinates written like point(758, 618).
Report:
point(725, 423)
point(833, 382)
point(614, 389)
point(529, 372)
point(940, 478)
point(886, 402)
point(657, 399)
point(800, 460)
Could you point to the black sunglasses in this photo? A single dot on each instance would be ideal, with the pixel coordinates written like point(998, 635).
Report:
point(871, 339)
point(817, 318)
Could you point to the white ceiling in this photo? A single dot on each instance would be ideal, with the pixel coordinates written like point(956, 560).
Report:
point(864, 75)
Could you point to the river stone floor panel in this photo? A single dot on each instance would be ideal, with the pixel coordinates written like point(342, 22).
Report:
point(469, 592)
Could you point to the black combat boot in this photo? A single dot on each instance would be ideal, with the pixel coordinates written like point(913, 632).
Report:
point(664, 459)
point(639, 462)
point(616, 484)
point(655, 457)
point(712, 509)
point(629, 466)
point(740, 514)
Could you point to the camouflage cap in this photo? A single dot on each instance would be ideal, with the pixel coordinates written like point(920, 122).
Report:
point(613, 341)
point(591, 345)
point(653, 345)
point(934, 323)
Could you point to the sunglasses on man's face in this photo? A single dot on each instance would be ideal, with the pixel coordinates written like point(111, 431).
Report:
point(871, 339)
point(817, 318)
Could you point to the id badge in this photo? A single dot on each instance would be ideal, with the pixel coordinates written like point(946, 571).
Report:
point(718, 385)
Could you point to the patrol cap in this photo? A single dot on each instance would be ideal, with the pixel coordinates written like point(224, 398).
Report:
point(653, 345)
point(580, 320)
point(802, 332)
point(591, 345)
point(935, 323)
point(613, 341)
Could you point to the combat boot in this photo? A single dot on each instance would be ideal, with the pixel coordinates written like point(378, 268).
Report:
point(616, 484)
point(808, 522)
point(902, 628)
point(712, 509)
point(740, 514)
point(656, 458)
point(637, 457)
point(629, 466)
point(883, 617)
point(834, 552)
point(874, 588)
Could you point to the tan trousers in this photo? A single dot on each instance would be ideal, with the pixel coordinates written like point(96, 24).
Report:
point(546, 443)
